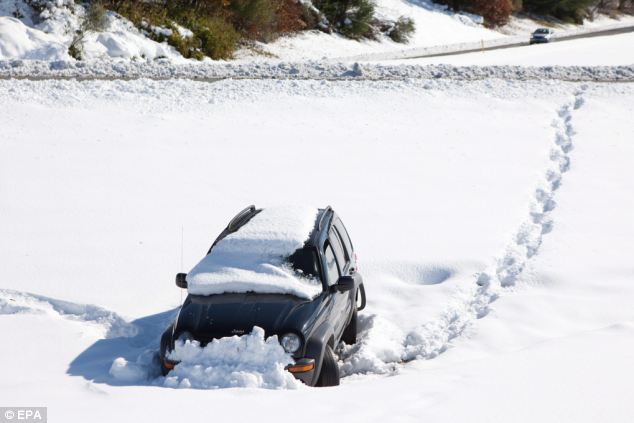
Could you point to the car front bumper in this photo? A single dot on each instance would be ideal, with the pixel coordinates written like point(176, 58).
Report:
point(304, 370)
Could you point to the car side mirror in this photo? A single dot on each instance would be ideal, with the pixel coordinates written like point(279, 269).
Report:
point(345, 283)
point(181, 280)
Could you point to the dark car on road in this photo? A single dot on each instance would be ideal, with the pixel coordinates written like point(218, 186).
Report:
point(309, 330)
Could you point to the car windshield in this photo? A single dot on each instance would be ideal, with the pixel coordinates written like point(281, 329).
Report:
point(304, 261)
point(541, 31)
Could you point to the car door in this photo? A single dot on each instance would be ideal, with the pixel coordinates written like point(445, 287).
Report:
point(332, 276)
point(351, 258)
point(343, 305)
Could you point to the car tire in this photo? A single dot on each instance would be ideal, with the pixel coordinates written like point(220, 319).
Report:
point(329, 375)
point(350, 332)
point(164, 370)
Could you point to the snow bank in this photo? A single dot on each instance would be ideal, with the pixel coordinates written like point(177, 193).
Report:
point(123, 40)
point(164, 69)
point(253, 258)
point(247, 361)
point(12, 302)
point(18, 41)
point(50, 38)
point(128, 372)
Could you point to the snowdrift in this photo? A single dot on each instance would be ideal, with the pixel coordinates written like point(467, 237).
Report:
point(18, 41)
point(50, 38)
point(248, 361)
point(444, 197)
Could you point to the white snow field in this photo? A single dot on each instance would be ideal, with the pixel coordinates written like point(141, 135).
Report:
point(492, 220)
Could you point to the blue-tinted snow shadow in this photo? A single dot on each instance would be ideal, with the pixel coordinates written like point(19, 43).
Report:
point(95, 361)
point(431, 6)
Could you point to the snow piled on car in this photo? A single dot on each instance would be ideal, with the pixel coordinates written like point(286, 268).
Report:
point(254, 259)
point(247, 361)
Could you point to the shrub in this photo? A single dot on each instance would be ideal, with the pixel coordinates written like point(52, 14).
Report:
point(254, 18)
point(218, 39)
point(567, 10)
point(517, 5)
point(188, 47)
point(494, 12)
point(357, 22)
point(139, 11)
point(352, 18)
point(292, 16)
point(402, 30)
point(94, 20)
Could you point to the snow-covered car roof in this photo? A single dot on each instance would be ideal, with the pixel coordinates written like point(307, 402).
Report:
point(254, 258)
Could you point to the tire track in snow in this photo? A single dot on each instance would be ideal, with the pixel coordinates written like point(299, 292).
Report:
point(435, 337)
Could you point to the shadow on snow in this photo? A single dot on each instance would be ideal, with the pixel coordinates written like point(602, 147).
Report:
point(142, 348)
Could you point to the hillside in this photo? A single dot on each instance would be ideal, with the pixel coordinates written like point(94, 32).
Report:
point(30, 34)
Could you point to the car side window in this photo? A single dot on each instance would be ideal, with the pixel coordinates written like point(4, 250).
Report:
point(337, 247)
point(332, 268)
point(345, 248)
point(343, 234)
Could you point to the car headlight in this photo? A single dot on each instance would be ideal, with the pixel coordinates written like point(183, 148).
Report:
point(291, 343)
point(185, 336)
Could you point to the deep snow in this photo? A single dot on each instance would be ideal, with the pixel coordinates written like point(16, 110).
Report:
point(449, 188)
point(247, 361)
point(47, 35)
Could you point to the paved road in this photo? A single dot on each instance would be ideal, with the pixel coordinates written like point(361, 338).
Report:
point(598, 33)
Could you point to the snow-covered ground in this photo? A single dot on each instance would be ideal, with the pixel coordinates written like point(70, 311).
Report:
point(609, 50)
point(48, 35)
point(522, 186)
point(434, 26)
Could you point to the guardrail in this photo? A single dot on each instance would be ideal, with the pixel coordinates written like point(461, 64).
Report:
point(485, 45)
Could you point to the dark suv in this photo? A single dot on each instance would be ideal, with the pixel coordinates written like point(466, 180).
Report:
point(310, 330)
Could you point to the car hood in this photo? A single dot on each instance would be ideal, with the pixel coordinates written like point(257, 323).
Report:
point(217, 316)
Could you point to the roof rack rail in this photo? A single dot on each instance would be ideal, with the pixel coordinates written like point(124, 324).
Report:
point(238, 217)
point(323, 215)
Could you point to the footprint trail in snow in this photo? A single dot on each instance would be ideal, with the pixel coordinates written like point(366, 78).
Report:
point(382, 349)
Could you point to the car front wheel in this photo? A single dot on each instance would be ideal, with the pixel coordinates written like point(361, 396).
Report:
point(350, 332)
point(329, 375)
